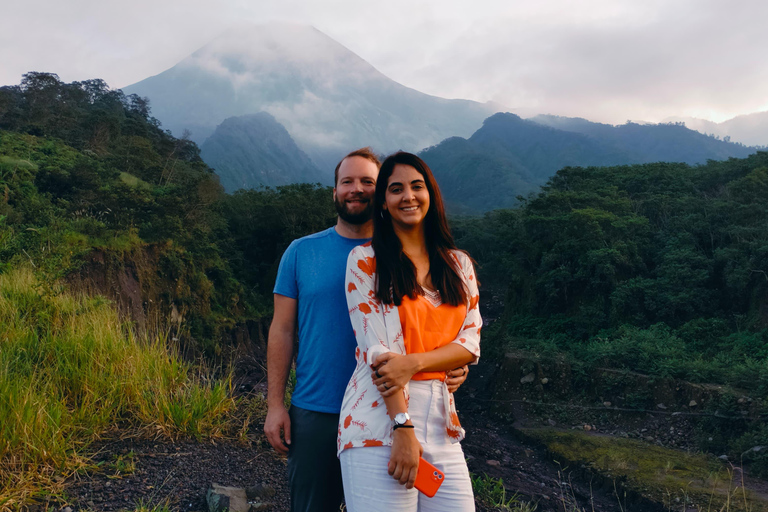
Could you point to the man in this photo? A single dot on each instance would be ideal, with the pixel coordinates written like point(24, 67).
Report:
point(309, 295)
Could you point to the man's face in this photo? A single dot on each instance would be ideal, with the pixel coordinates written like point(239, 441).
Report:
point(353, 194)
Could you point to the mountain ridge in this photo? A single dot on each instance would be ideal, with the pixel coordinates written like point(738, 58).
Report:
point(510, 156)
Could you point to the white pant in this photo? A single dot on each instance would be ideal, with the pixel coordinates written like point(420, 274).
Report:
point(369, 488)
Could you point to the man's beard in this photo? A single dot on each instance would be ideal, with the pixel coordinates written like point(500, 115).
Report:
point(353, 218)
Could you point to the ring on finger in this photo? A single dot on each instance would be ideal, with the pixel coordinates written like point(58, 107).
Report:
point(378, 375)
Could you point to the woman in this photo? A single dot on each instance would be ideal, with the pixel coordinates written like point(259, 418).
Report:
point(412, 298)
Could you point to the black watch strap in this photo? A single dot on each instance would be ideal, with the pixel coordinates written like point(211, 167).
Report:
point(401, 426)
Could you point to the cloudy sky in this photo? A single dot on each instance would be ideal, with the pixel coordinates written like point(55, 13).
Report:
point(606, 60)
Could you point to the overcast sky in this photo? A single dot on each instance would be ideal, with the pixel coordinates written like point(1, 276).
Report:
point(605, 60)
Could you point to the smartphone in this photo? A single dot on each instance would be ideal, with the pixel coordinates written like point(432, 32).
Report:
point(428, 479)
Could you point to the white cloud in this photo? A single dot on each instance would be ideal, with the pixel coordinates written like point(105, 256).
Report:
point(602, 59)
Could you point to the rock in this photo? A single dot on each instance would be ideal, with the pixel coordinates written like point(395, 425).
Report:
point(551, 422)
point(607, 404)
point(757, 448)
point(692, 403)
point(661, 406)
point(227, 499)
point(259, 491)
point(740, 401)
point(587, 428)
point(723, 457)
point(493, 463)
point(676, 413)
point(544, 380)
point(66, 509)
point(528, 378)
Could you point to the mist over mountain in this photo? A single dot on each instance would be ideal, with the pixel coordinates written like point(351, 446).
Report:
point(510, 156)
point(749, 129)
point(254, 150)
point(330, 100)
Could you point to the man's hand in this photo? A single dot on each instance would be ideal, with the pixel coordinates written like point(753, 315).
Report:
point(279, 357)
point(391, 372)
point(455, 378)
point(277, 424)
point(404, 460)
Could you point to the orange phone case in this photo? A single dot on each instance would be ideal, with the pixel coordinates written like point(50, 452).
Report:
point(428, 479)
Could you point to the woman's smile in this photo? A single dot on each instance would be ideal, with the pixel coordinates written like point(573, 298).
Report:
point(407, 197)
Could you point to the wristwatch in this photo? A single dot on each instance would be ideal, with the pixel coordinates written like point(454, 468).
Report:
point(400, 419)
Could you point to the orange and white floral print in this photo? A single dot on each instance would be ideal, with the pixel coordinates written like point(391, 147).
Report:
point(378, 330)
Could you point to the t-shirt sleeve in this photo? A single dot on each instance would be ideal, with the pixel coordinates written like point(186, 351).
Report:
point(286, 283)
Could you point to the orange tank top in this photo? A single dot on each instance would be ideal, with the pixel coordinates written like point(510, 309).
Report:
point(427, 327)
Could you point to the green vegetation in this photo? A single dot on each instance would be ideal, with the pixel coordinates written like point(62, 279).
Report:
point(510, 156)
point(491, 492)
point(657, 268)
point(667, 476)
point(86, 170)
point(255, 150)
point(70, 370)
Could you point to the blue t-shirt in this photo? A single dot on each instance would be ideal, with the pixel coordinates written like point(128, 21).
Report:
point(312, 271)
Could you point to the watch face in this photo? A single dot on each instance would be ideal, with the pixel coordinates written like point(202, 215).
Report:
point(401, 418)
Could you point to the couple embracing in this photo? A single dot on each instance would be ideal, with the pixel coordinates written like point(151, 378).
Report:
point(387, 314)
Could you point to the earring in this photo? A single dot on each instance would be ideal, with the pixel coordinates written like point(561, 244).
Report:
point(382, 213)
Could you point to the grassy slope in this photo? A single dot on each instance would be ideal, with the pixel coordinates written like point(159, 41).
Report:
point(69, 371)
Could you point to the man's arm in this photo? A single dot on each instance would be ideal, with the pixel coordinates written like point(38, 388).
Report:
point(279, 359)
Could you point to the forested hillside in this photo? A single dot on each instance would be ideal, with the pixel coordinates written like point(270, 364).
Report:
point(255, 150)
point(510, 156)
point(93, 190)
point(673, 255)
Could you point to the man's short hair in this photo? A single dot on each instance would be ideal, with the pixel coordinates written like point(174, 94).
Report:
point(365, 152)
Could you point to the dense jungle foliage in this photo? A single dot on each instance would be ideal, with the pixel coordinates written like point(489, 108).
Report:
point(659, 268)
point(86, 169)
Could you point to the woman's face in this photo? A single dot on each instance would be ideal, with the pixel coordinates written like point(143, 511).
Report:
point(407, 197)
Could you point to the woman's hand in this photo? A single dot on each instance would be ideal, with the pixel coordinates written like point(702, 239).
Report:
point(456, 378)
point(391, 372)
point(404, 461)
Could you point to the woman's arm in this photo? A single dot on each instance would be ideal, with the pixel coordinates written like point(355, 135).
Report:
point(393, 371)
point(406, 449)
point(464, 349)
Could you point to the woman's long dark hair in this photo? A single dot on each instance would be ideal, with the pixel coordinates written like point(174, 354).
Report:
point(395, 273)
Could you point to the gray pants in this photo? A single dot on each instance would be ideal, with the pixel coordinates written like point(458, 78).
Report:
point(314, 472)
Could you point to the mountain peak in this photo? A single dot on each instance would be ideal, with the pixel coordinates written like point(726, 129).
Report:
point(329, 99)
point(250, 48)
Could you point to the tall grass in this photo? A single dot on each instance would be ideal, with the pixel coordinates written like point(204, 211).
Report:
point(70, 370)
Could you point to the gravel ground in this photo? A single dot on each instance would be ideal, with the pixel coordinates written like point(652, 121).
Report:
point(175, 473)
point(135, 472)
